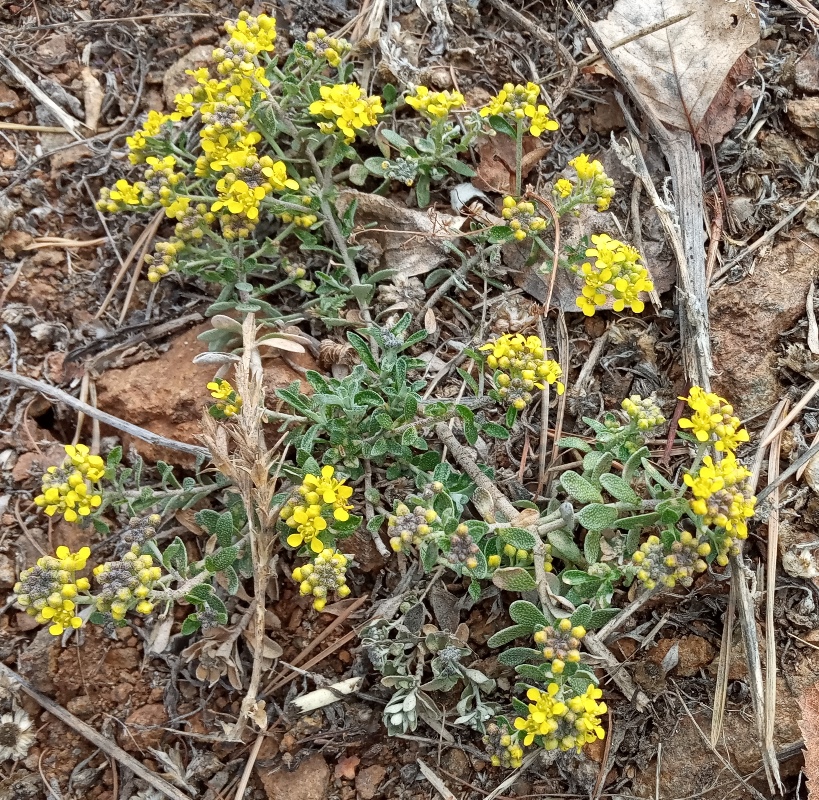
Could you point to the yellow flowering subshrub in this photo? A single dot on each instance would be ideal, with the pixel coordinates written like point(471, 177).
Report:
point(228, 402)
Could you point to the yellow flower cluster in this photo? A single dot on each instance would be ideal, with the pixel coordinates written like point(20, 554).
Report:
point(411, 527)
point(47, 590)
point(594, 185)
point(615, 272)
point(327, 47)
point(153, 127)
point(347, 108)
point(563, 725)
point(520, 104)
point(644, 411)
point(502, 747)
point(227, 400)
point(560, 644)
point(126, 584)
point(522, 558)
point(318, 494)
point(69, 489)
point(521, 367)
point(722, 494)
point(713, 417)
point(677, 565)
point(326, 574)
point(434, 105)
point(521, 217)
point(249, 37)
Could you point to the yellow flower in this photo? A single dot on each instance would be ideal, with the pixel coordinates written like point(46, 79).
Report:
point(228, 401)
point(61, 618)
point(126, 193)
point(586, 170)
point(722, 494)
point(544, 713)
point(276, 173)
point(237, 197)
point(308, 522)
point(539, 119)
point(434, 105)
point(349, 110)
point(520, 104)
point(329, 490)
point(563, 187)
point(522, 217)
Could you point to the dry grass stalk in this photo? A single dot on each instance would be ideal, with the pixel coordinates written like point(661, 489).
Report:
point(239, 452)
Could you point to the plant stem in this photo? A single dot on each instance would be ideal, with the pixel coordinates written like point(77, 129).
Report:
point(518, 158)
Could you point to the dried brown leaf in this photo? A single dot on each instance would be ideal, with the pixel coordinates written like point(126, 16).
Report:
point(92, 98)
point(680, 68)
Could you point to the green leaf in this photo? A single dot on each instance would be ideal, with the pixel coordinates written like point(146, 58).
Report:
point(618, 488)
point(363, 350)
point(564, 547)
point(495, 431)
point(634, 463)
point(579, 488)
point(468, 380)
point(584, 584)
point(591, 546)
point(358, 174)
point(671, 510)
point(389, 93)
point(595, 464)
point(114, 457)
point(422, 190)
point(379, 448)
point(573, 443)
point(221, 559)
point(509, 634)
point(513, 579)
point(97, 618)
point(428, 551)
point(175, 556)
point(518, 537)
point(525, 613)
point(596, 516)
point(519, 655)
point(368, 398)
point(511, 416)
point(580, 682)
point(460, 167)
point(474, 590)
point(600, 617)
point(190, 625)
point(638, 521)
point(232, 580)
point(470, 429)
point(224, 529)
point(531, 673)
point(395, 139)
point(199, 594)
point(582, 616)
point(499, 234)
point(499, 124)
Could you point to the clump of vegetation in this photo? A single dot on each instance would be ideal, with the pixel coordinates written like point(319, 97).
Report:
point(259, 172)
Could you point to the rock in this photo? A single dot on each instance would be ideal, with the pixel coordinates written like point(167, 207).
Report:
point(176, 80)
point(122, 658)
point(168, 395)
point(806, 72)
point(14, 242)
point(10, 102)
point(310, 781)
point(8, 572)
point(805, 115)
point(693, 652)
point(748, 317)
point(38, 662)
point(368, 780)
point(143, 728)
point(82, 706)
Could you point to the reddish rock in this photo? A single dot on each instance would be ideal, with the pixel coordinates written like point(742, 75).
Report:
point(10, 102)
point(747, 318)
point(310, 781)
point(168, 394)
point(144, 728)
point(805, 115)
point(368, 780)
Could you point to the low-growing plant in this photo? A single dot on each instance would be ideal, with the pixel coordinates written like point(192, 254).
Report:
point(253, 181)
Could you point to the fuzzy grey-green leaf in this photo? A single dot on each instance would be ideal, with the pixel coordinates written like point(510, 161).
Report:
point(579, 488)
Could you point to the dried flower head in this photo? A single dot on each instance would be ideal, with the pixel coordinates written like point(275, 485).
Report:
point(16, 736)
